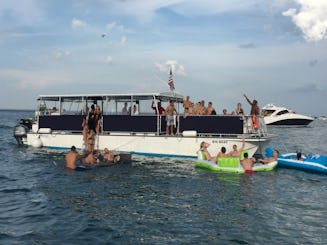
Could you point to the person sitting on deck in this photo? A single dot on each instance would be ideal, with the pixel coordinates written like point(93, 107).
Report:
point(210, 109)
point(204, 154)
point(299, 156)
point(270, 159)
point(71, 158)
point(135, 111)
point(125, 109)
point(225, 113)
point(247, 163)
point(235, 152)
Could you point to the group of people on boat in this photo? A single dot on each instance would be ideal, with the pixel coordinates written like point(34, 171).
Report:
point(200, 109)
point(246, 162)
point(73, 159)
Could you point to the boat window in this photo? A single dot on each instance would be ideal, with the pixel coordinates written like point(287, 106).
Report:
point(268, 112)
point(282, 112)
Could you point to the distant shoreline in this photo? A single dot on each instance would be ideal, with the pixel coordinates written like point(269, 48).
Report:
point(29, 110)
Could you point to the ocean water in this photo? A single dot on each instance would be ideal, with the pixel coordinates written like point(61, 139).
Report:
point(159, 200)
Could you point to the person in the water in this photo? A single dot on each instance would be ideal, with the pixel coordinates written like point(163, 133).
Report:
point(71, 158)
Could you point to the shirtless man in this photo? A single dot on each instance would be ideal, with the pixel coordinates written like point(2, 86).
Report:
point(170, 118)
point(187, 104)
point(210, 109)
point(235, 152)
point(222, 152)
point(270, 159)
point(247, 163)
point(71, 158)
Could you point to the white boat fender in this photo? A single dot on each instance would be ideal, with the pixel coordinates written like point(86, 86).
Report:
point(189, 133)
point(44, 131)
point(37, 143)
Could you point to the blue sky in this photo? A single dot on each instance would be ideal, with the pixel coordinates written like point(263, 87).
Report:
point(273, 51)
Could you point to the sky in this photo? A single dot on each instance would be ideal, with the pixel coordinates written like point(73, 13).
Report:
point(273, 51)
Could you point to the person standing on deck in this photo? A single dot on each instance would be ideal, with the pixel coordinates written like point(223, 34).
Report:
point(160, 111)
point(187, 104)
point(170, 118)
point(255, 111)
point(254, 106)
point(91, 119)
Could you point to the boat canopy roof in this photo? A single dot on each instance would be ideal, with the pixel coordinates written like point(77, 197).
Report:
point(166, 96)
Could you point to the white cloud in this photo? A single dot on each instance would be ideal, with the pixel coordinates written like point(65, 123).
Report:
point(111, 25)
point(311, 18)
point(59, 54)
point(109, 60)
point(17, 12)
point(176, 68)
point(123, 41)
point(78, 24)
point(145, 9)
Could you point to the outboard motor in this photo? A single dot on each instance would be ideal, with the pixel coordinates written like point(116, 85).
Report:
point(20, 132)
point(28, 122)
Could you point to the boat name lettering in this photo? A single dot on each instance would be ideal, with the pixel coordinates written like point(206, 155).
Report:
point(220, 141)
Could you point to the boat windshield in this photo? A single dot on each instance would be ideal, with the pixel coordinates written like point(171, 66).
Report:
point(283, 112)
point(268, 112)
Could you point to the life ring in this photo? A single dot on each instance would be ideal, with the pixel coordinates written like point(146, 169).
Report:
point(255, 122)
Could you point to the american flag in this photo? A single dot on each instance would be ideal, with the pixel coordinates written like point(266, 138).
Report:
point(171, 81)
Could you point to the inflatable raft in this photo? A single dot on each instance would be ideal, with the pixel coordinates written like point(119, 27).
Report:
point(232, 164)
point(313, 163)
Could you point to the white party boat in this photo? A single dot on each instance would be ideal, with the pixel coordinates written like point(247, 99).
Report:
point(58, 124)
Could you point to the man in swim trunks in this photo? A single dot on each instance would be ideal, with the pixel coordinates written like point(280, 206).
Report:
point(187, 104)
point(170, 118)
point(247, 163)
point(71, 158)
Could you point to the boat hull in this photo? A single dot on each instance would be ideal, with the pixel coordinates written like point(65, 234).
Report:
point(145, 144)
point(257, 167)
point(288, 122)
point(313, 164)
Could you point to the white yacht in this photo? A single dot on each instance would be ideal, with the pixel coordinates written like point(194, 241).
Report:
point(58, 124)
point(281, 116)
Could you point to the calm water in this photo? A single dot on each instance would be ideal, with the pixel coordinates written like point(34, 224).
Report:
point(159, 200)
